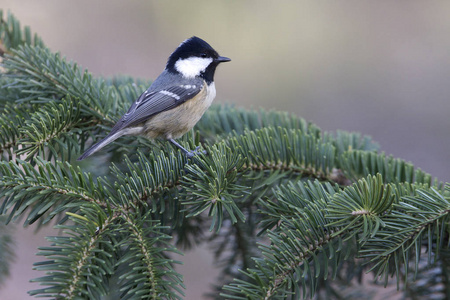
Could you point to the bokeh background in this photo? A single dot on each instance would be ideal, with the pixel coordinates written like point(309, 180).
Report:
point(381, 68)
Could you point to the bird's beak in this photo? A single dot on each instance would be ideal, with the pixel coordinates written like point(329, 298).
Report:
point(222, 59)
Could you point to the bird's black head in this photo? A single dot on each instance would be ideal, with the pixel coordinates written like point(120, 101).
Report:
point(195, 57)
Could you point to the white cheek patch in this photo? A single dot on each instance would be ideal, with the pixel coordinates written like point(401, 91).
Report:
point(192, 66)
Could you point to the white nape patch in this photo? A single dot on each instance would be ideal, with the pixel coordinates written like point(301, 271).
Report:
point(170, 94)
point(192, 66)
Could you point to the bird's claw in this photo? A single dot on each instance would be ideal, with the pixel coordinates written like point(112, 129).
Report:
point(195, 152)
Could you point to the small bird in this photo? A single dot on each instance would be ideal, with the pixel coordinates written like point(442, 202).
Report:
point(175, 101)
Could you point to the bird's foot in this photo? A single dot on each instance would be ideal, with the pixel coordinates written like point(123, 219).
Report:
point(195, 152)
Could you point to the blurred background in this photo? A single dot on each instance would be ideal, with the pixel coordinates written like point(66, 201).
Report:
point(379, 68)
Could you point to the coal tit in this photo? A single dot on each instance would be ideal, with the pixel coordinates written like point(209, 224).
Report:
point(175, 101)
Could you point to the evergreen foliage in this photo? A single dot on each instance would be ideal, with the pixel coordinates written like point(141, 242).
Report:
point(289, 210)
point(6, 250)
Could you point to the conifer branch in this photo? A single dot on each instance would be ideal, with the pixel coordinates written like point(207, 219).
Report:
point(49, 130)
point(87, 250)
point(149, 273)
point(42, 76)
point(72, 267)
point(305, 234)
point(418, 218)
point(12, 35)
point(11, 120)
point(147, 177)
point(357, 164)
point(49, 188)
point(7, 250)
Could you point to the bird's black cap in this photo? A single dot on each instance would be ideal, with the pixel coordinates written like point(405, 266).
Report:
point(193, 46)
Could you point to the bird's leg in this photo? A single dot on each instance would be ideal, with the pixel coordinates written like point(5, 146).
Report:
point(188, 153)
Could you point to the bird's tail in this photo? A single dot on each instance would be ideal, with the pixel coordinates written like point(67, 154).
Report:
point(94, 148)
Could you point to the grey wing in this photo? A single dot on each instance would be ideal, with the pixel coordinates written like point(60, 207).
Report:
point(153, 102)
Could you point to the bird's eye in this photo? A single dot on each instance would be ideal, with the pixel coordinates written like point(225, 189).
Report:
point(203, 55)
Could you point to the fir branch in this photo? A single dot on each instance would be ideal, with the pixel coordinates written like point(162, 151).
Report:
point(291, 198)
point(49, 128)
point(222, 119)
point(79, 264)
point(209, 179)
point(45, 188)
point(350, 141)
point(147, 177)
point(210, 184)
point(12, 35)
point(291, 258)
point(363, 203)
point(11, 120)
point(42, 76)
point(7, 249)
point(148, 273)
point(419, 217)
point(283, 149)
point(96, 246)
point(357, 164)
point(364, 213)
